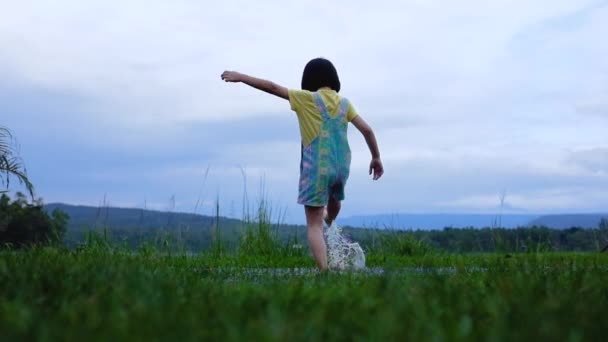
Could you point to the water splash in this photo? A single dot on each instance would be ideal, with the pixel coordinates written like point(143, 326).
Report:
point(343, 254)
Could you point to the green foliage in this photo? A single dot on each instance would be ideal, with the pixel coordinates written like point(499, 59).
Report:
point(259, 238)
point(23, 224)
point(96, 294)
point(264, 234)
point(399, 243)
point(524, 239)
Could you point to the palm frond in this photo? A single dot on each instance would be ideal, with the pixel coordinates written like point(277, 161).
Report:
point(5, 138)
point(11, 164)
point(4, 132)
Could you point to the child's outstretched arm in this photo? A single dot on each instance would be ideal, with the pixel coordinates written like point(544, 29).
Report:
point(375, 165)
point(258, 83)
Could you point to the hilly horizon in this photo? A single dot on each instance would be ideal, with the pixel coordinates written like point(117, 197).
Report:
point(82, 215)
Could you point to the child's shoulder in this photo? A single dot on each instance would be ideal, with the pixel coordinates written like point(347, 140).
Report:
point(298, 93)
point(299, 99)
point(303, 101)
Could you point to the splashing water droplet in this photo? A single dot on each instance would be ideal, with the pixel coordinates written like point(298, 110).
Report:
point(343, 254)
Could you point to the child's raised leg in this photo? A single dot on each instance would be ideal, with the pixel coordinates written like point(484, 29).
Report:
point(333, 209)
point(316, 241)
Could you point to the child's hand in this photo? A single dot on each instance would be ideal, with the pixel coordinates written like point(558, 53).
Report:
point(232, 76)
point(376, 167)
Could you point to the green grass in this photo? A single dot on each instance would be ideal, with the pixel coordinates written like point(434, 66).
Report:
point(100, 293)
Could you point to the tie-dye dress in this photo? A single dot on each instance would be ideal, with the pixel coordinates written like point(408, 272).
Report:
point(325, 163)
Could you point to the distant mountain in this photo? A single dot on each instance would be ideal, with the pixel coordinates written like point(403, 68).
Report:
point(85, 217)
point(565, 221)
point(132, 226)
point(437, 221)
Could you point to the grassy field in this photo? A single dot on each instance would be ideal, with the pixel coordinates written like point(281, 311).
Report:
point(113, 294)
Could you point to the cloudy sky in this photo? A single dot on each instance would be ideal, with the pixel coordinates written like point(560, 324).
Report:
point(468, 99)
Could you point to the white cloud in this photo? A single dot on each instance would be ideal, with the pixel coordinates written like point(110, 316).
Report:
point(594, 160)
point(453, 90)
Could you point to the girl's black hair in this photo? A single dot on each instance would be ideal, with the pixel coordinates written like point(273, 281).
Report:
point(319, 73)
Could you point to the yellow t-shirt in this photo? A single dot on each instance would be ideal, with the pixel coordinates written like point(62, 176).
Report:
point(309, 117)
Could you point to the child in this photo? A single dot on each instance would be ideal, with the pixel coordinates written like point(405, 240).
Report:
point(323, 116)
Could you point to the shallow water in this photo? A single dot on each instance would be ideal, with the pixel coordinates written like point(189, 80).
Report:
point(248, 273)
point(343, 254)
